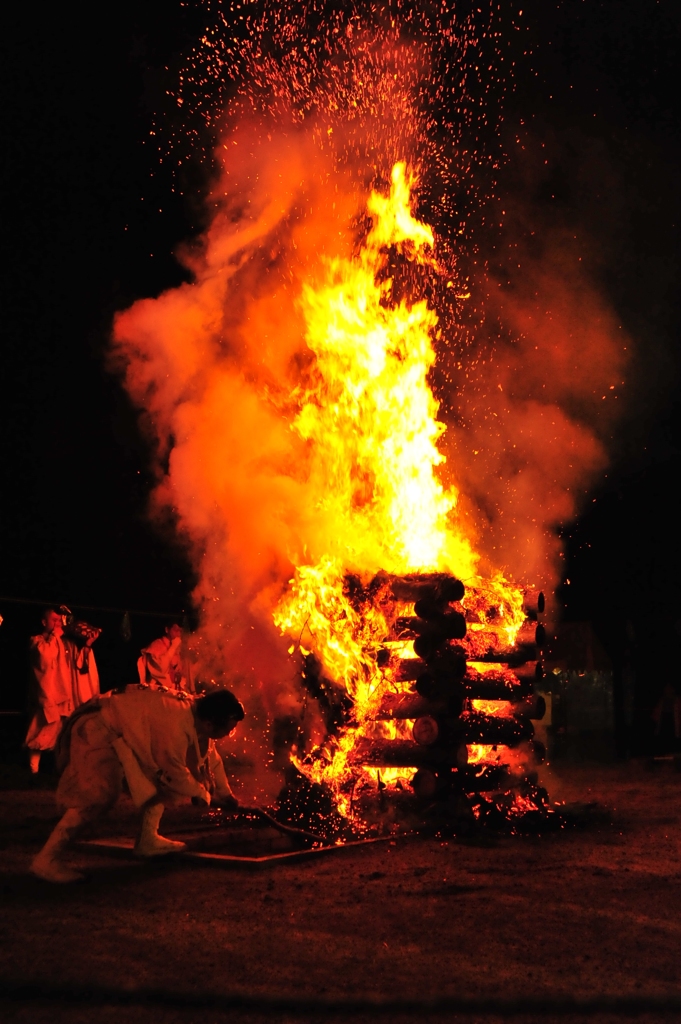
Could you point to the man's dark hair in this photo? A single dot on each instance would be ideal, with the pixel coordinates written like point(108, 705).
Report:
point(218, 707)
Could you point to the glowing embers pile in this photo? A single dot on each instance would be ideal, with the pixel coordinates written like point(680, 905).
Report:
point(446, 729)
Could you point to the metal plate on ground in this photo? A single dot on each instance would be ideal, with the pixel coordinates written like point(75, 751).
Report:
point(118, 847)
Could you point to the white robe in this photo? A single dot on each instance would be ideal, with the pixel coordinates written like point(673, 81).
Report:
point(64, 677)
point(161, 665)
point(160, 731)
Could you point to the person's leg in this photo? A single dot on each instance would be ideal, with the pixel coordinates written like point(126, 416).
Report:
point(89, 785)
point(150, 843)
point(48, 864)
point(41, 736)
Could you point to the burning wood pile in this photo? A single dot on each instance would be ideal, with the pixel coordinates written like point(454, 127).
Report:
point(448, 726)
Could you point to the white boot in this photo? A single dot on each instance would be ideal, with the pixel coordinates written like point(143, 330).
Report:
point(34, 761)
point(48, 864)
point(150, 843)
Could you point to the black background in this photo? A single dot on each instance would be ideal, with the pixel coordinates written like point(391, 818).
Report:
point(90, 223)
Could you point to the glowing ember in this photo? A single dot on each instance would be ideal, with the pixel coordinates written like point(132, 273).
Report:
point(482, 753)
point(493, 707)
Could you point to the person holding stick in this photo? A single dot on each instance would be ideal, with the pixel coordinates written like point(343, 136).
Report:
point(165, 749)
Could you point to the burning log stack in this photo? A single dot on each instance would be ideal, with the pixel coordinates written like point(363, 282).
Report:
point(458, 703)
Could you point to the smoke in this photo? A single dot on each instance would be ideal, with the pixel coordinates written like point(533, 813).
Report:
point(218, 365)
point(531, 403)
point(214, 365)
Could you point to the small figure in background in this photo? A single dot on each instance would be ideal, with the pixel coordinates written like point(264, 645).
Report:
point(161, 665)
point(64, 676)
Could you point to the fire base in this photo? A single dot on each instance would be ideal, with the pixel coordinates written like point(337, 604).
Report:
point(450, 738)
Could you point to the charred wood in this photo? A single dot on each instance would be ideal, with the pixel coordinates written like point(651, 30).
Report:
point(429, 783)
point(427, 646)
point(441, 690)
point(435, 587)
point(425, 784)
point(405, 754)
point(487, 645)
point(409, 705)
point(448, 663)
point(481, 778)
point(534, 604)
point(529, 672)
point(502, 685)
point(409, 669)
point(477, 778)
point(533, 707)
point(413, 705)
point(531, 633)
point(514, 657)
point(334, 702)
point(445, 626)
point(485, 778)
point(480, 686)
point(447, 666)
point(526, 633)
point(425, 731)
point(504, 729)
point(429, 609)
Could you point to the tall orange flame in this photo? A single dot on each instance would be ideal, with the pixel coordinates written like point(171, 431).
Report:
point(369, 414)
point(371, 419)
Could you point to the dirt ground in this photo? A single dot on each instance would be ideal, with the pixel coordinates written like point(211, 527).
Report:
point(581, 924)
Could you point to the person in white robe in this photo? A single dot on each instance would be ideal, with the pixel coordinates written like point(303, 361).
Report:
point(64, 676)
point(164, 747)
point(161, 665)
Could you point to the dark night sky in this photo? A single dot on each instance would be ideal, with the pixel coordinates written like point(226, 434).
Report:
point(81, 242)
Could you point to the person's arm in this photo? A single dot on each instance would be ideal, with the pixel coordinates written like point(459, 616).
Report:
point(223, 791)
point(171, 756)
point(44, 654)
point(177, 779)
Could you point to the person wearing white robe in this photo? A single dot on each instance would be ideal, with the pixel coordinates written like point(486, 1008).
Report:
point(64, 676)
point(162, 744)
point(161, 665)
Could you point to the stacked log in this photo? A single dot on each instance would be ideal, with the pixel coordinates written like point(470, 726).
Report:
point(445, 681)
point(436, 588)
point(534, 604)
point(405, 754)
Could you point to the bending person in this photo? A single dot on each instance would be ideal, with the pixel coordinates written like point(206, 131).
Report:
point(164, 747)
